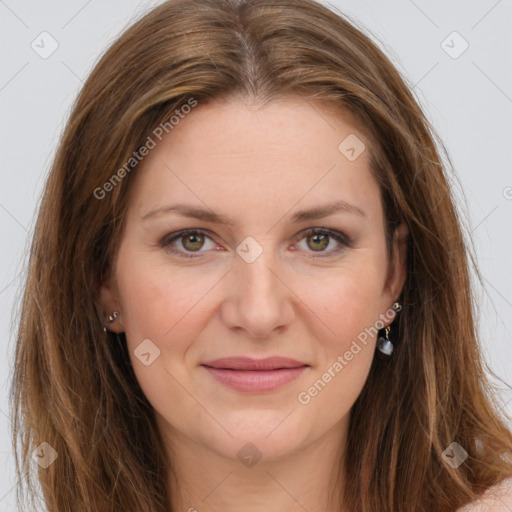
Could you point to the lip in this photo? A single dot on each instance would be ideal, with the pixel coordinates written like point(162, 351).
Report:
point(255, 375)
point(249, 363)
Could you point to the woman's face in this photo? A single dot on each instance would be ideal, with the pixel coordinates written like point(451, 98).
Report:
point(290, 262)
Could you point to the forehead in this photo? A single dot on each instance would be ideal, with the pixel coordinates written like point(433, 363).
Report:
point(236, 157)
point(229, 127)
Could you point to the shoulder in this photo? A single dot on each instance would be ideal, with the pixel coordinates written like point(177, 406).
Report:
point(496, 499)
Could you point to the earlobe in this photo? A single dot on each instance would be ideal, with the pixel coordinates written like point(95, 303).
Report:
point(109, 307)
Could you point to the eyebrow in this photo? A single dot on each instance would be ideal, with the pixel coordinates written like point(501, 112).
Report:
point(206, 215)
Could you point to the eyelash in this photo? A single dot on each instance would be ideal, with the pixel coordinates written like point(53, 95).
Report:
point(343, 240)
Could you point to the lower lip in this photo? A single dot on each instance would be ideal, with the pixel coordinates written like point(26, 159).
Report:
point(255, 380)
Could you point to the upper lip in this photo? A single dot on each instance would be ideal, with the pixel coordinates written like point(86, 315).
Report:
point(248, 363)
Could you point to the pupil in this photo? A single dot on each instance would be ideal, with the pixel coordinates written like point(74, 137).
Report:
point(193, 239)
point(319, 239)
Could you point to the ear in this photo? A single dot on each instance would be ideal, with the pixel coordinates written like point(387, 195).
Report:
point(397, 266)
point(108, 303)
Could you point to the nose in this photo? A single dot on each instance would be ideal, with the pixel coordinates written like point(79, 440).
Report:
point(259, 301)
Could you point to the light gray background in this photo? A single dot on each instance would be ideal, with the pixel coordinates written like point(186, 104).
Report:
point(468, 99)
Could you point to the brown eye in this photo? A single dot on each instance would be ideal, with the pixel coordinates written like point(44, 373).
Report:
point(324, 242)
point(192, 242)
point(318, 242)
point(188, 244)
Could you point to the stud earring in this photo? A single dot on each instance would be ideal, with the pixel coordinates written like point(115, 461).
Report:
point(111, 318)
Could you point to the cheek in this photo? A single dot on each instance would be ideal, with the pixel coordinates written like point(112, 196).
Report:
point(346, 304)
point(346, 300)
point(157, 299)
point(162, 304)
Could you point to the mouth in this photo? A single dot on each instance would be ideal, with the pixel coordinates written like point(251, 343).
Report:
point(255, 375)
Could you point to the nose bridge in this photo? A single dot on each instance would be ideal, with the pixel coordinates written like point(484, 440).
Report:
point(259, 301)
point(255, 259)
point(257, 280)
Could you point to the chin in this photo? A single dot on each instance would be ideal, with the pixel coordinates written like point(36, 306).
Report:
point(270, 435)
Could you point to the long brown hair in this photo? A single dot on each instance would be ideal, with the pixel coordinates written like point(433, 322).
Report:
point(73, 385)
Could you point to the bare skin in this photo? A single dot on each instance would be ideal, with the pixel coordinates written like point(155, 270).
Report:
point(304, 297)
